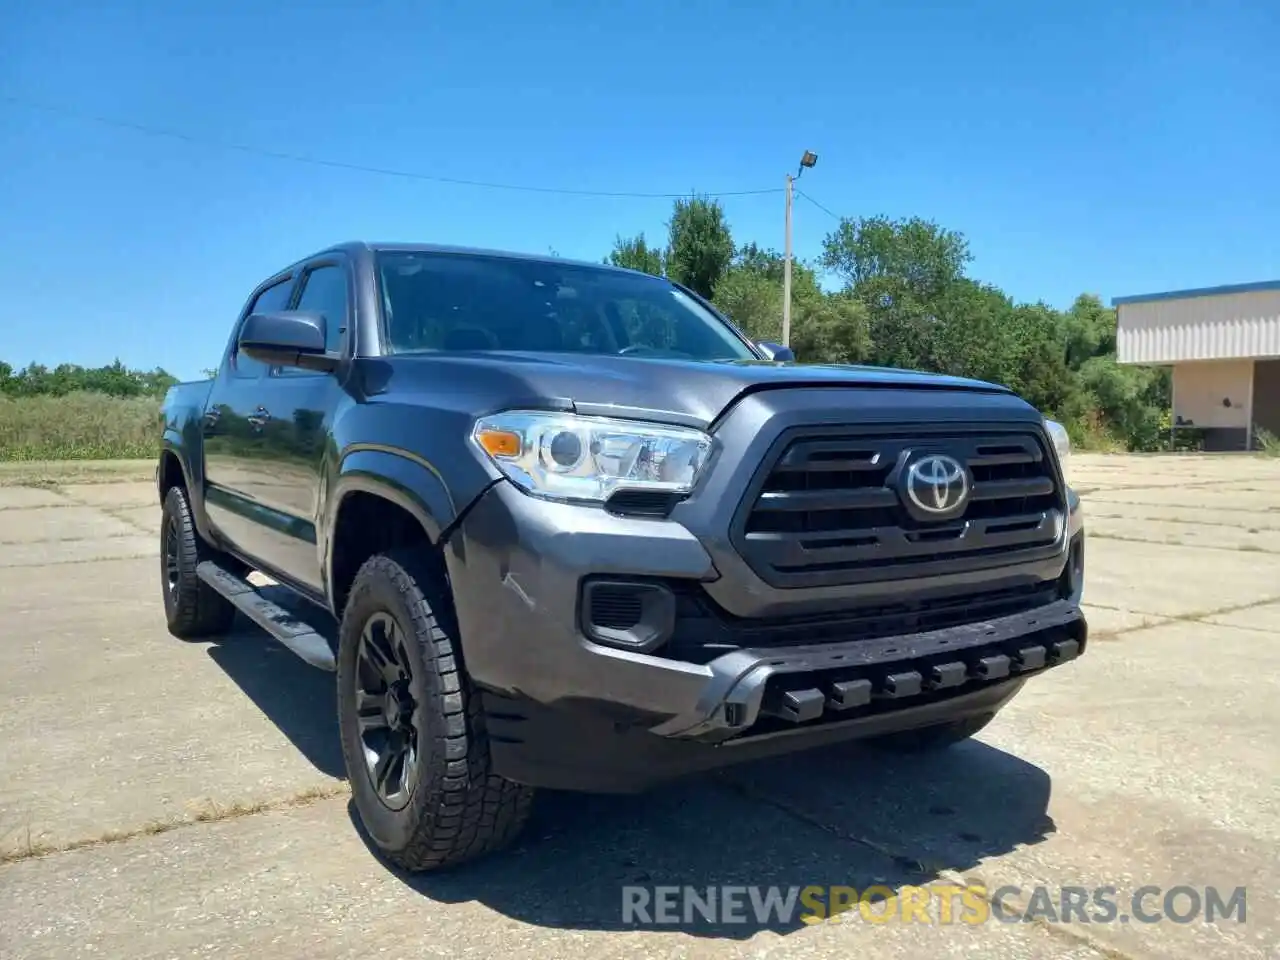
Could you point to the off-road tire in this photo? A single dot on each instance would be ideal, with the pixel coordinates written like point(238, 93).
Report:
point(458, 809)
point(929, 739)
point(192, 608)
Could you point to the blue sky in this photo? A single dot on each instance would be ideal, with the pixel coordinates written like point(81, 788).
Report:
point(1089, 146)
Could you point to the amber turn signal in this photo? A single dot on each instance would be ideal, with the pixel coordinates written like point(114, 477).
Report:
point(499, 443)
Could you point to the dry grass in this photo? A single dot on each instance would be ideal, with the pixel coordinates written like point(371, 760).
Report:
point(1268, 442)
point(78, 426)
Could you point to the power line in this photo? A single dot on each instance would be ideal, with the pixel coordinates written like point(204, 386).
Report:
point(828, 212)
point(365, 168)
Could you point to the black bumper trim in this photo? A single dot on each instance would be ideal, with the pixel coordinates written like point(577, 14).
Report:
point(801, 684)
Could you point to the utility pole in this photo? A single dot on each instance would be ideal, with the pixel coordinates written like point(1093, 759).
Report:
point(786, 273)
point(808, 160)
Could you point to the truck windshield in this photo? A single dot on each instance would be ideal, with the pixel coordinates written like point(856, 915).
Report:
point(458, 301)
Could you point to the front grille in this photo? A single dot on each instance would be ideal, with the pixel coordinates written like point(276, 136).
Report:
point(828, 508)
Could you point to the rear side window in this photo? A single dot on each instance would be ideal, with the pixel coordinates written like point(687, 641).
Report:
point(275, 297)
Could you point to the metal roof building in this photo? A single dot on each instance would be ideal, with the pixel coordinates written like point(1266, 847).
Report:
point(1223, 344)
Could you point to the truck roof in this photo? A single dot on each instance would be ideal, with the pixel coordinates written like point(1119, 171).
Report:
point(366, 246)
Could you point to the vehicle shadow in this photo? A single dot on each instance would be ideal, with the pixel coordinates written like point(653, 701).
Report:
point(299, 699)
point(844, 817)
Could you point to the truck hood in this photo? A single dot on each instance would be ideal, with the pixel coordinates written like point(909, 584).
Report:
point(695, 393)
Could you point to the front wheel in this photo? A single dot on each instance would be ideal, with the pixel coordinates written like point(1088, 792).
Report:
point(413, 736)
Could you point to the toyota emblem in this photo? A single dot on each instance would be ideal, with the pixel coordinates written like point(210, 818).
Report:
point(937, 483)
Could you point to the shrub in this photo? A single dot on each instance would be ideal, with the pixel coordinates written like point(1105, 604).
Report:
point(78, 426)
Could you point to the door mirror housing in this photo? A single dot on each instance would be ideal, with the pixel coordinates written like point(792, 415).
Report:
point(290, 338)
point(776, 351)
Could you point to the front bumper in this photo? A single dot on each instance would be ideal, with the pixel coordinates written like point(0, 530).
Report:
point(566, 712)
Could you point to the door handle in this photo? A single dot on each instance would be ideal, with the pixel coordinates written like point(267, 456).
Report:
point(259, 417)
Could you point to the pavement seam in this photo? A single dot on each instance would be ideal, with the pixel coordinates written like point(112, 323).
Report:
point(214, 813)
point(60, 563)
point(1094, 515)
point(1245, 548)
point(72, 502)
point(1023, 904)
point(1178, 506)
point(1192, 485)
point(1197, 616)
point(904, 861)
point(915, 865)
point(117, 513)
point(103, 536)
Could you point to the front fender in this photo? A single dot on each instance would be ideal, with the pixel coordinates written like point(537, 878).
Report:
point(397, 475)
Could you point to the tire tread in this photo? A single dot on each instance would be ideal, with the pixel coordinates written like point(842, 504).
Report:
point(474, 811)
point(199, 610)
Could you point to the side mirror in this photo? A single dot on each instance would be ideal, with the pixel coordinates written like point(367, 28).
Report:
point(292, 338)
point(776, 351)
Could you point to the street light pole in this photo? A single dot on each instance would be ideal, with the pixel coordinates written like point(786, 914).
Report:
point(808, 160)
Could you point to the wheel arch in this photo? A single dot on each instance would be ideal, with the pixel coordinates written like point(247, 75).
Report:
point(370, 515)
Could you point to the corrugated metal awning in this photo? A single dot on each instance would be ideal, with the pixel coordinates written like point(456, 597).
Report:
point(1213, 323)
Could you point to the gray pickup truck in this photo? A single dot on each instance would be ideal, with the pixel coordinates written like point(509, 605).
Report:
point(578, 532)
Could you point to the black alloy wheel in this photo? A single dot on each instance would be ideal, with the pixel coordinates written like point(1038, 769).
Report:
point(387, 710)
point(172, 566)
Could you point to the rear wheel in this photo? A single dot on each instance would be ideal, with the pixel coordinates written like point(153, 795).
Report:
point(192, 608)
point(413, 736)
point(939, 736)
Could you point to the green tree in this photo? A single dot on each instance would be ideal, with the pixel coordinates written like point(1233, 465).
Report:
point(1090, 330)
point(635, 254)
point(907, 302)
point(114, 380)
point(828, 327)
point(752, 301)
point(765, 261)
point(917, 256)
point(699, 245)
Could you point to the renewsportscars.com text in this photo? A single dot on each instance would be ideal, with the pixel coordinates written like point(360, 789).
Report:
point(932, 904)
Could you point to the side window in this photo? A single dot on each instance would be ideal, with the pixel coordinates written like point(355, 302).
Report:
point(324, 290)
point(275, 297)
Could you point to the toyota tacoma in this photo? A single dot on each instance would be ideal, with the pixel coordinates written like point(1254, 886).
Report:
point(578, 532)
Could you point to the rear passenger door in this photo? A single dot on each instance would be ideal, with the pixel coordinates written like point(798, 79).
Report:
point(235, 441)
point(300, 405)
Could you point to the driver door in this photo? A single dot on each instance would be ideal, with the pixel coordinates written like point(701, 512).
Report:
point(235, 438)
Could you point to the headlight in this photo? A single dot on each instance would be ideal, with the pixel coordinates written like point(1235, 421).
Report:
point(567, 457)
point(1061, 442)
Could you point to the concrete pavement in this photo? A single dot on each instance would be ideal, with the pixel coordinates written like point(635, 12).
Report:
point(160, 798)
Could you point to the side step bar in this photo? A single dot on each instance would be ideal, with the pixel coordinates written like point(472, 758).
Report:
point(299, 637)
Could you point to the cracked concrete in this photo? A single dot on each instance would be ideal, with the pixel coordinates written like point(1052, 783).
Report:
point(161, 799)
